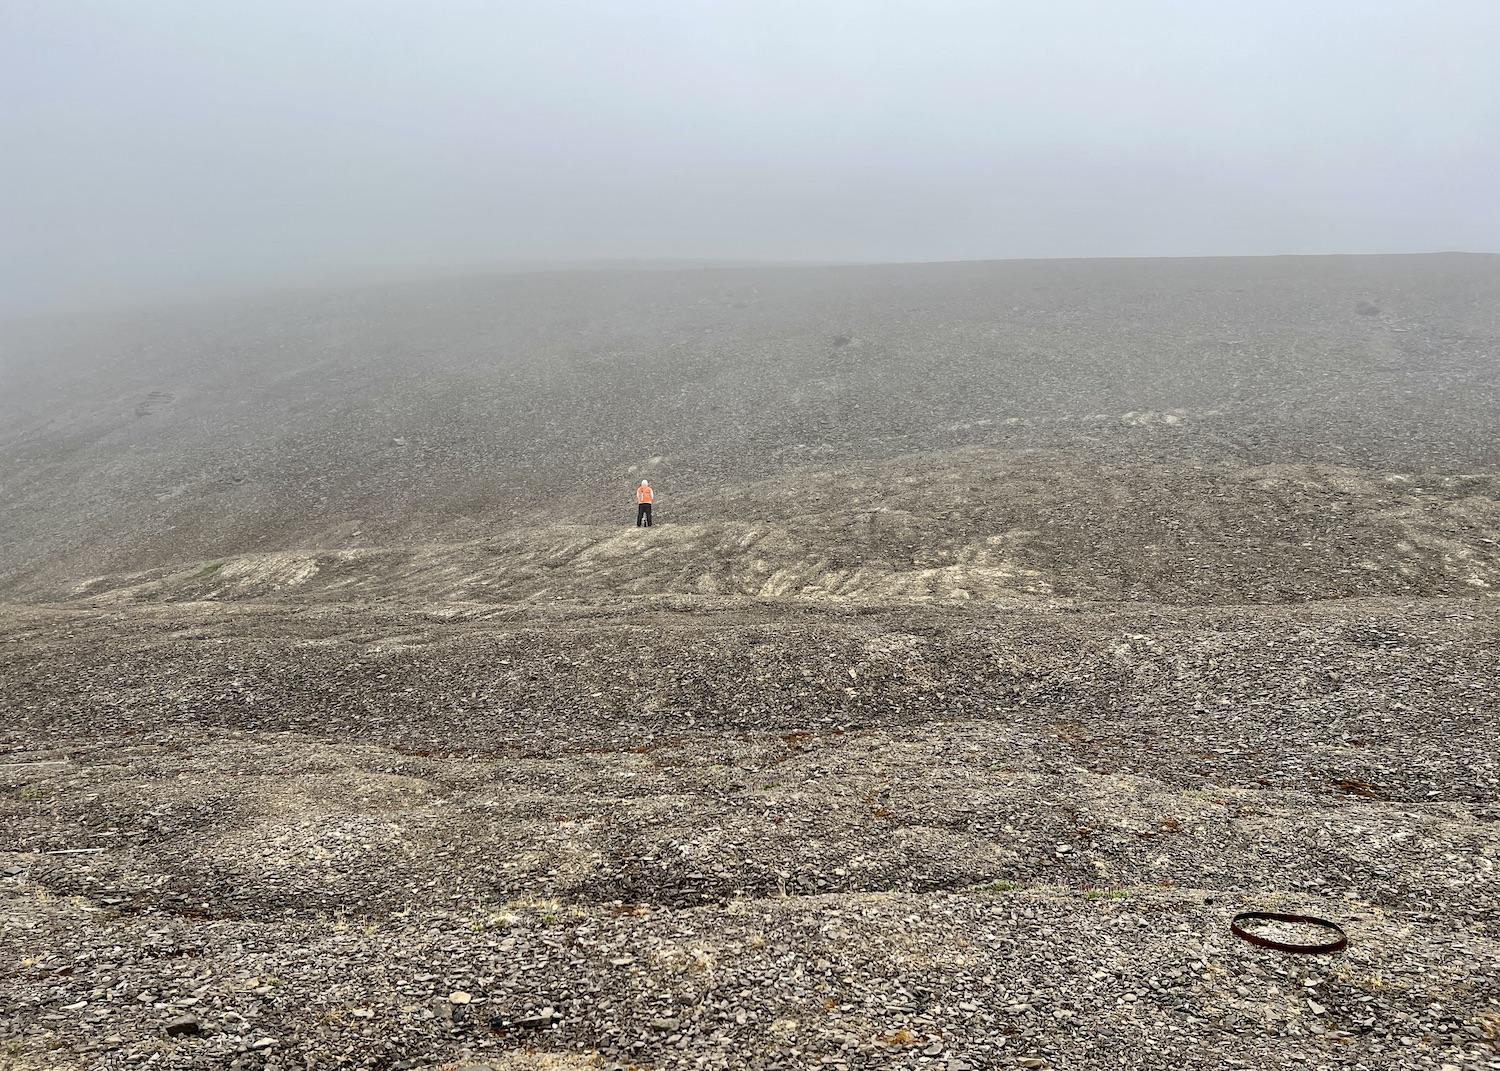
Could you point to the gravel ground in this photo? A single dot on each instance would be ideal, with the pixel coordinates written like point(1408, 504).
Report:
point(749, 835)
point(411, 415)
point(1010, 628)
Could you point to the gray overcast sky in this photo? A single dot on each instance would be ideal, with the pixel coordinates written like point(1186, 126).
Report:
point(153, 146)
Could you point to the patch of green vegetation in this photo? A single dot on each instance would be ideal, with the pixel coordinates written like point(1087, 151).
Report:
point(208, 570)
point(998, 885)
point(36, 792)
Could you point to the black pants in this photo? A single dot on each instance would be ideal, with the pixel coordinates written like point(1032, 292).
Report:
point(643, 514)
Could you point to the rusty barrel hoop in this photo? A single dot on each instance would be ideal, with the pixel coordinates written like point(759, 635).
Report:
point(1337, 944)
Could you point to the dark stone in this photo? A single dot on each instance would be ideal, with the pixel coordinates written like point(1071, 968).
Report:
point(537, 1021)
point(184, 1026)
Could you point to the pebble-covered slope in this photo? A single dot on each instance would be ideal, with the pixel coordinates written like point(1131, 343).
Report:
point(680, 833)
point(956, 525)
point(443, 411)
point(1009, 628)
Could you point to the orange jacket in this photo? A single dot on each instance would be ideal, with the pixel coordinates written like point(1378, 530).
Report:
point(643, 495)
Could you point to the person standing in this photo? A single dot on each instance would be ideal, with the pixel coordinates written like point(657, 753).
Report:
point(644, 496)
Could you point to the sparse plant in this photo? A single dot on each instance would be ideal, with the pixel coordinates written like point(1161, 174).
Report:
point(1489, 1025)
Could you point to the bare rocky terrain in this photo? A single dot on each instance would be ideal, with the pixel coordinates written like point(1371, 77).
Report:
point(1007, 629)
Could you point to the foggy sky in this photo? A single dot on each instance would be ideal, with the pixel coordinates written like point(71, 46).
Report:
point(153, 147)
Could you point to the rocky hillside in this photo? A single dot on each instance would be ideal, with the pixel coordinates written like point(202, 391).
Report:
point(1008, 629)
point(955, 525)
point(456, 411)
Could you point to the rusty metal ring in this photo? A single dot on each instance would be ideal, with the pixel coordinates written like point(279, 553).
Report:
point(1338, 944)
